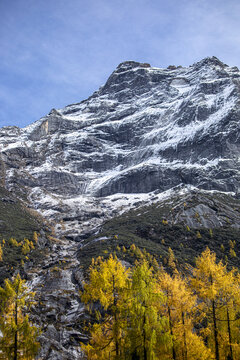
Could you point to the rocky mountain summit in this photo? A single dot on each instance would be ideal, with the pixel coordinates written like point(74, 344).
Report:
point(145, 136)
point(147, 129)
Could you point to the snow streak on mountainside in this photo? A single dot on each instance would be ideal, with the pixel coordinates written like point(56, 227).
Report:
point(147, 129)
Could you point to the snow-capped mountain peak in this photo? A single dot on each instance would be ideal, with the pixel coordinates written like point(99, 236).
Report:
point(147, 129)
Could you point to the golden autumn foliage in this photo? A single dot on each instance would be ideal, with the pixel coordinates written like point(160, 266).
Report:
point(25, 245)
point(18, 336)
point(13, 242)
point(35, 237)
point(148, 314)
point(108, 283)
point(219, 300)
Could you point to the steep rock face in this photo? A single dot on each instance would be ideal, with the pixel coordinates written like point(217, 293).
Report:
point(58, 309)
point(147, 129)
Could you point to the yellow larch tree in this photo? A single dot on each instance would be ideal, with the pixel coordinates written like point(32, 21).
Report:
point(218, 293)
point(147, 334)
point(1, 252)
point(19, 337)
point(228, 315)
point(107, 285)
point(180, 308)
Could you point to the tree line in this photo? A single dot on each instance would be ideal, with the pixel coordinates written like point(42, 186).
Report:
point(144, 313)
point(140, 312)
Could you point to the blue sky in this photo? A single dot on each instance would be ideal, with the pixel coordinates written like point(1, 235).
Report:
point(57, 52)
